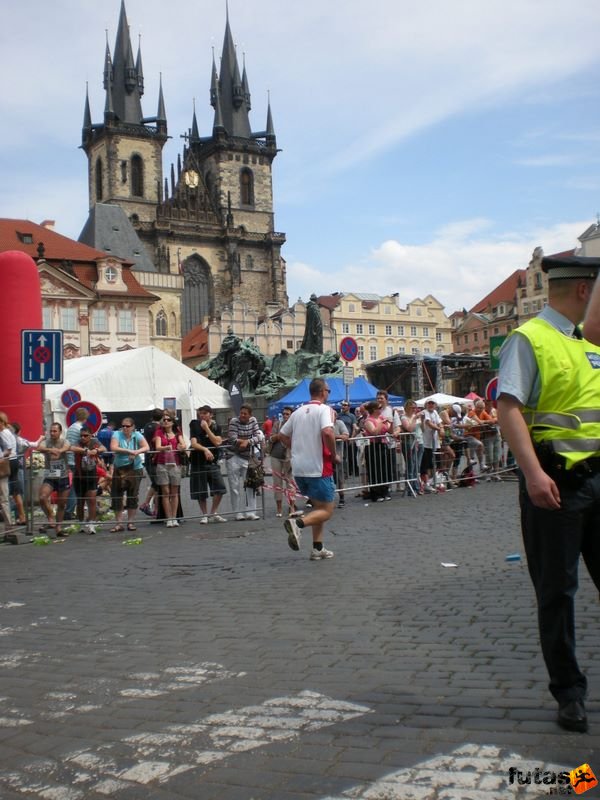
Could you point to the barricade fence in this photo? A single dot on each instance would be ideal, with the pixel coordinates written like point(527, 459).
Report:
point(371, 467)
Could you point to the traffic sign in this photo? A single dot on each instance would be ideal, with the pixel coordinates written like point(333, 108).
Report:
point(491, 390)
point(70, 396)
point(41, 356)
point(94, 420)
point(348, 376)
point(496, 343)
point(348, 348)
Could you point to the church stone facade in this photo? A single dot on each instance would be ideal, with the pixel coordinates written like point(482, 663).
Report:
point(206, 230)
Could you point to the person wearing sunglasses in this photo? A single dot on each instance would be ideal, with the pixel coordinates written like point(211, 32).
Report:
point(168, 443)
point(128, 445)
point(87, 451)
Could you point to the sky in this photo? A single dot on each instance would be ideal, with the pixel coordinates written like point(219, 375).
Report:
point(426, 148)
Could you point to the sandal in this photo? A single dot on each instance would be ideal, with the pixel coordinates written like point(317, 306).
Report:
point(130, 527)
point(60, 533)
point(117, 529)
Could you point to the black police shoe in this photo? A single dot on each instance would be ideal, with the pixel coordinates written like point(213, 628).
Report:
point(572, 716)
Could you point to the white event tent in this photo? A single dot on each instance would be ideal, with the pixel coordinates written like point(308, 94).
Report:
point(445, 400)
point(132, 381)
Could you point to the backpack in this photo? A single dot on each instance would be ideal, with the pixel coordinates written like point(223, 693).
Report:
point(467, 477)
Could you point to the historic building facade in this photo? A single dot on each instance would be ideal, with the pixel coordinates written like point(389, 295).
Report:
point(207, 229)
point(382, 328)
point(495, 315)
point(92, 296)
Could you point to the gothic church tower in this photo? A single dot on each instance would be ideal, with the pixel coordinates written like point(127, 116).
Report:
point(125, 151)
point(210, 227)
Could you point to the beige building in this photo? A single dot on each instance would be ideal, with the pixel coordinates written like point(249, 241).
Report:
point(532, 294)
point(93, 297)
point(494, 315)
point(382, 328)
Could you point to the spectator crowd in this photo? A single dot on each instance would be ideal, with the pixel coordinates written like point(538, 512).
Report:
point(411, 450)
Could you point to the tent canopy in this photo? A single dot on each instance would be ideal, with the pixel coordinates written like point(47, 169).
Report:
point(361, 391)
point(136, 380)
point(444, 399)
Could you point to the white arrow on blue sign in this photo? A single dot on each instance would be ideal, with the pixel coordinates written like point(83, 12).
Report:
point(41, 356)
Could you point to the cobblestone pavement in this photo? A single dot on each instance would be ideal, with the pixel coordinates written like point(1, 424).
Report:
point(211, 662)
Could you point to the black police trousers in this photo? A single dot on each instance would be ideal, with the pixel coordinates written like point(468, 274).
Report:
point(554, 542)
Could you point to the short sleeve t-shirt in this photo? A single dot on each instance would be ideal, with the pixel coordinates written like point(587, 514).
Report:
point(310, 457)
point(197, 457)
point(431, 437)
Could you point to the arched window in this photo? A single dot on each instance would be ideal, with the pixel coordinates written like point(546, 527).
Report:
point(98, 180)
point(198, 296)
point(249, 262)
point(161, 324)
point(137, 176)
point(247, 187)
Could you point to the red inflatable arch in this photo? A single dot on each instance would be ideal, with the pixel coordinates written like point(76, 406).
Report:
point(22, 309)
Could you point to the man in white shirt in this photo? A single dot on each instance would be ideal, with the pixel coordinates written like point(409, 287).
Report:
point(310, 434)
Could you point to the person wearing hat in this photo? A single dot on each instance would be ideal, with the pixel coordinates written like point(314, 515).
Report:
point(549, 412)
point(591, 324)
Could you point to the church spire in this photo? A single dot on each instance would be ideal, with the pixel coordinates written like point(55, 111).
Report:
point(138, 67)
point(109, 110)
point(87, 114)
point(127, 83)
point(108, 67)
point(270, 127)
point(218, 126)
point(194, 132)
point(232, 91)
point(214, 82)
point(86, 128)
point(245, 87)
point(161, 113)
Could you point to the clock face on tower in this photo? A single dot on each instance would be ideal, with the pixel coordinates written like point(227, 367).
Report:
point(191, 178)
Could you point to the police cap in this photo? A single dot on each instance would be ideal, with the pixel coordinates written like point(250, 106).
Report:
point(564, 267)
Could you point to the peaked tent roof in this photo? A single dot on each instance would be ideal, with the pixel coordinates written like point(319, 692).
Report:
point(444, 399)
point(361, 391)
point(136, 380)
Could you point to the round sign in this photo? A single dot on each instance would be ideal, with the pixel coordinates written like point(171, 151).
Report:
point(42, 355)
point(348, 348)
point(94, 420)
point(70, 396)
point(491, 390)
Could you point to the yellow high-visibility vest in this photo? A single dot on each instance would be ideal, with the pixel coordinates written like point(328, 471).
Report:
point(568, 412)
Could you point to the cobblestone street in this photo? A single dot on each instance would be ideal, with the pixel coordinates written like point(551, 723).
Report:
point(213, 663)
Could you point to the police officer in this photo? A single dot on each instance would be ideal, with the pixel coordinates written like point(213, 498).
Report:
point(549, 411)
point(591, 324)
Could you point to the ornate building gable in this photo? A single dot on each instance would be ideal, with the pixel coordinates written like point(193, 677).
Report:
point(56, 284)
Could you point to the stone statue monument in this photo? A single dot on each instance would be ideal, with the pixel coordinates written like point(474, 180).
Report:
point(313, 331)
point(241, 362)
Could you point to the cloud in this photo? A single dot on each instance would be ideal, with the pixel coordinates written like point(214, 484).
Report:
point(458, 266)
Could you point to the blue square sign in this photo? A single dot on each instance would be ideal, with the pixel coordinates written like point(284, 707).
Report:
point(42, 356)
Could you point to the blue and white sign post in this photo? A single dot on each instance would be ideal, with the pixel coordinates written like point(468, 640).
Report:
point(41, 356)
